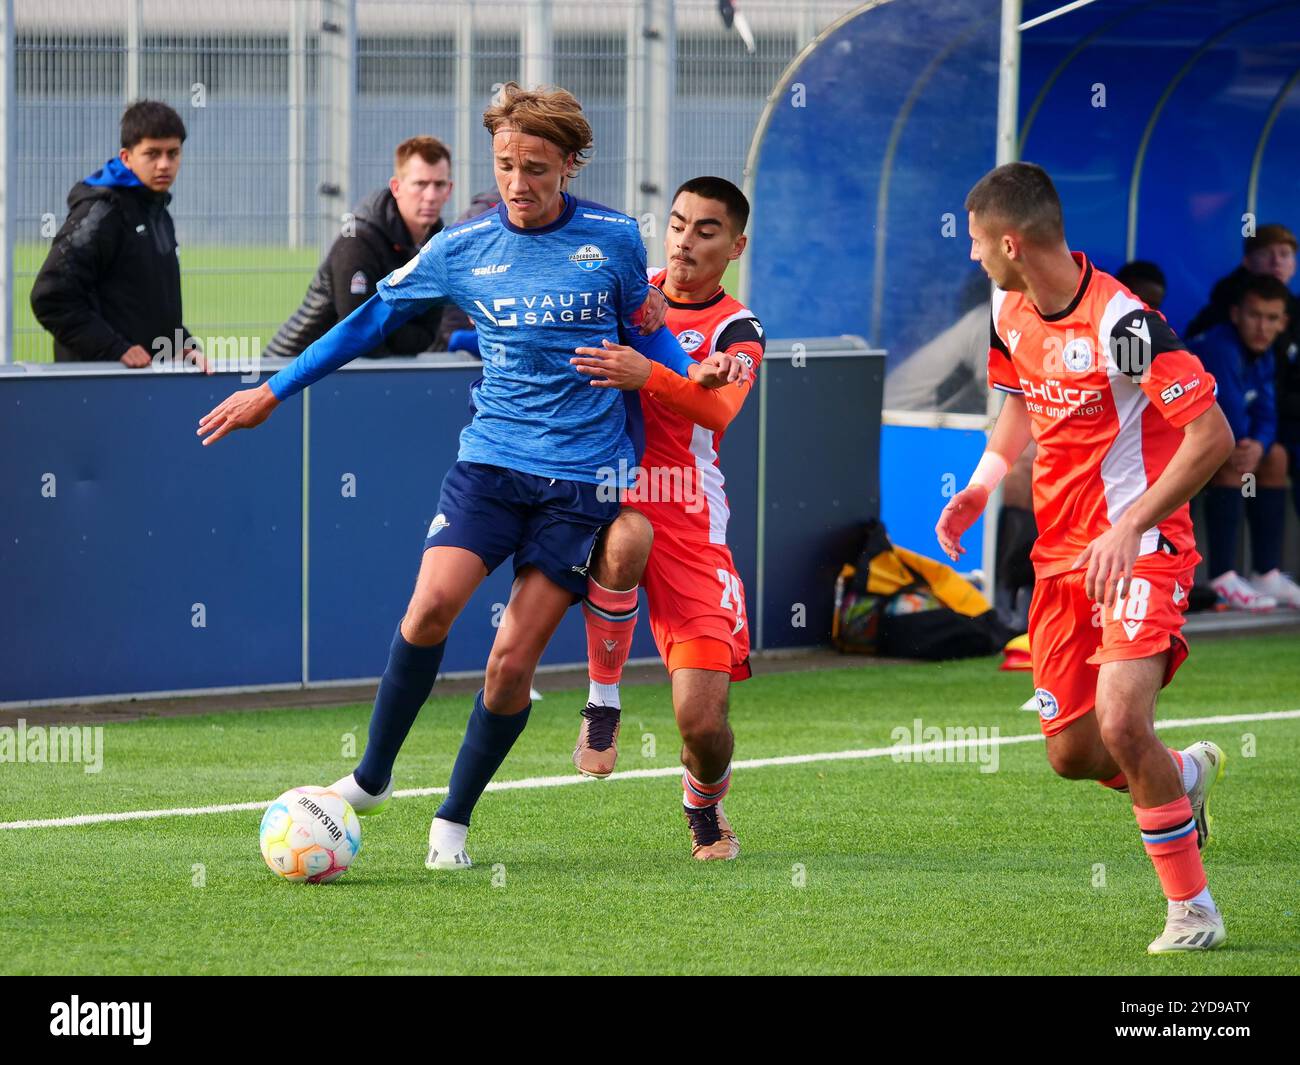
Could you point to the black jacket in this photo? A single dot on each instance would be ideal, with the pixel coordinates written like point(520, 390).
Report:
point(453, 317)
point(378, 245)
point(111, 279)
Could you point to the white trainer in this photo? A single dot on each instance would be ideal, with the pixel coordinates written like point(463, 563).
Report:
point(1190, 927)
point(1236, 593)
point(362, 801)
point(1277, 585)
point(447, 846)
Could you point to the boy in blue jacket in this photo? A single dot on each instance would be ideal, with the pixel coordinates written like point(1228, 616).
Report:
point(1239, 354)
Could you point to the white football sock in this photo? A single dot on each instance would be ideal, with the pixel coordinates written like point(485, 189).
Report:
point(1203, 899)
point(448, 836)
point(604, 695)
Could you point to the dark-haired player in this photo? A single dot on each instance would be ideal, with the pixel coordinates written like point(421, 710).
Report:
point(697, 601)
point(1128, 430)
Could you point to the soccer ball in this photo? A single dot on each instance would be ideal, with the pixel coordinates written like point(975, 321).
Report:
point(310, 835)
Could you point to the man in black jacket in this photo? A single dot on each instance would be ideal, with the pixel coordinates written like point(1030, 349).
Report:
point(1271, 249)
point(385, 231)
point(110, 288)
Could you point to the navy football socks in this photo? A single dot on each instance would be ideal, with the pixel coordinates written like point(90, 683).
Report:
point(1222, 518)
point(488, 739)
point(403, 690)
point(1267, 515)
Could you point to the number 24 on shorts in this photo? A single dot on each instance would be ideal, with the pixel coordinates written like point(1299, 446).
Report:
point(731, 597)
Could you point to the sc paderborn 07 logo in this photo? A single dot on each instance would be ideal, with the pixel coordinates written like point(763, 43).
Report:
point(588, 257)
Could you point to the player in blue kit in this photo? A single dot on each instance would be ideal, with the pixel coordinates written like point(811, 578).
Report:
point(541, 274)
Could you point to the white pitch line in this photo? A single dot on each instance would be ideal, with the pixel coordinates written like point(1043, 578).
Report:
point(646, 774)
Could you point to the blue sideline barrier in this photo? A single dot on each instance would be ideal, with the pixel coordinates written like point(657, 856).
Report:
point(133, 560)
point(920, 471)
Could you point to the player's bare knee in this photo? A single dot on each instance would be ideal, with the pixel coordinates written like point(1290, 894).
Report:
point(509, 673)
point(623, 552)
point(702, 724)
point(428, 620)
point(1070, 763)
point(1125, 735)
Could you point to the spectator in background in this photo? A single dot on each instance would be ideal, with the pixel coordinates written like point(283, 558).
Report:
point(1286, 354)
point(110, 287)
point(1145, 280)
point(1239, 353)
point(949, 371)
point(1270, 251)
point(388, 229)
point(455, 332)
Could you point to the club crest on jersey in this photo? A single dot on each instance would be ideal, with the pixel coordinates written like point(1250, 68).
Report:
point(1048, 707)
point(359, 283)
point(1078, 355)
point(588, 257)
point(690, 339)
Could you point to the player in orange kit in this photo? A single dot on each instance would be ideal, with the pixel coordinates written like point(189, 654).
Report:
point(1128, 431)
point(697, 601)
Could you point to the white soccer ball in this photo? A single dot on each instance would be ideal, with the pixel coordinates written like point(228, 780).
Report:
point(310, 835)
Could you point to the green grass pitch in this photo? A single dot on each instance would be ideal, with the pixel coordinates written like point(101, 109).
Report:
point(852, 866)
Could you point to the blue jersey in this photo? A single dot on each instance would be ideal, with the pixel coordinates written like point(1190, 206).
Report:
point(535, 295)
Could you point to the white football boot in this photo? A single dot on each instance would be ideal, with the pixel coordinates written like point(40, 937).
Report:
point(447, 846)
point(1209, 759)
point(1237, 593)
point(1190, 927)
point(361, 800)
point(1277, 586)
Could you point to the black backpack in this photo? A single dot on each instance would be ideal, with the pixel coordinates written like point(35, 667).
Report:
point(899, 604)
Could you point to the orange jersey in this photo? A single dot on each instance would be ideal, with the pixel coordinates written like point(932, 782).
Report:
point(681, 486)
point(1108, 386)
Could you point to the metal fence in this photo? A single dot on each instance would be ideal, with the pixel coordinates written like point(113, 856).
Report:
point(293, 108)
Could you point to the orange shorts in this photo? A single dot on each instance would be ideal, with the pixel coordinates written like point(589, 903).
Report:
point(1070, 636)
point(697, 606)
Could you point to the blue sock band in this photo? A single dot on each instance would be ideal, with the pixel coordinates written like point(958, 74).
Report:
point(1223, 519)
point(403, 690)
point(488, 739)
point(1267, 514)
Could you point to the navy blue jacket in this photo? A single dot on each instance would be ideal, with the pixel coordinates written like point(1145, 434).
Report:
point(1245, 383)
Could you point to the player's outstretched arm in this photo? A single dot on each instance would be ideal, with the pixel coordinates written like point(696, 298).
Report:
point(1207, 443)
point(361, 331)
point(1008, 440)
point(701, 399)
point(245, 409)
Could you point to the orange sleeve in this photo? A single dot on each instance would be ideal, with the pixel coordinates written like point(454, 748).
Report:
point(1175, 381)
point(712, 408)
